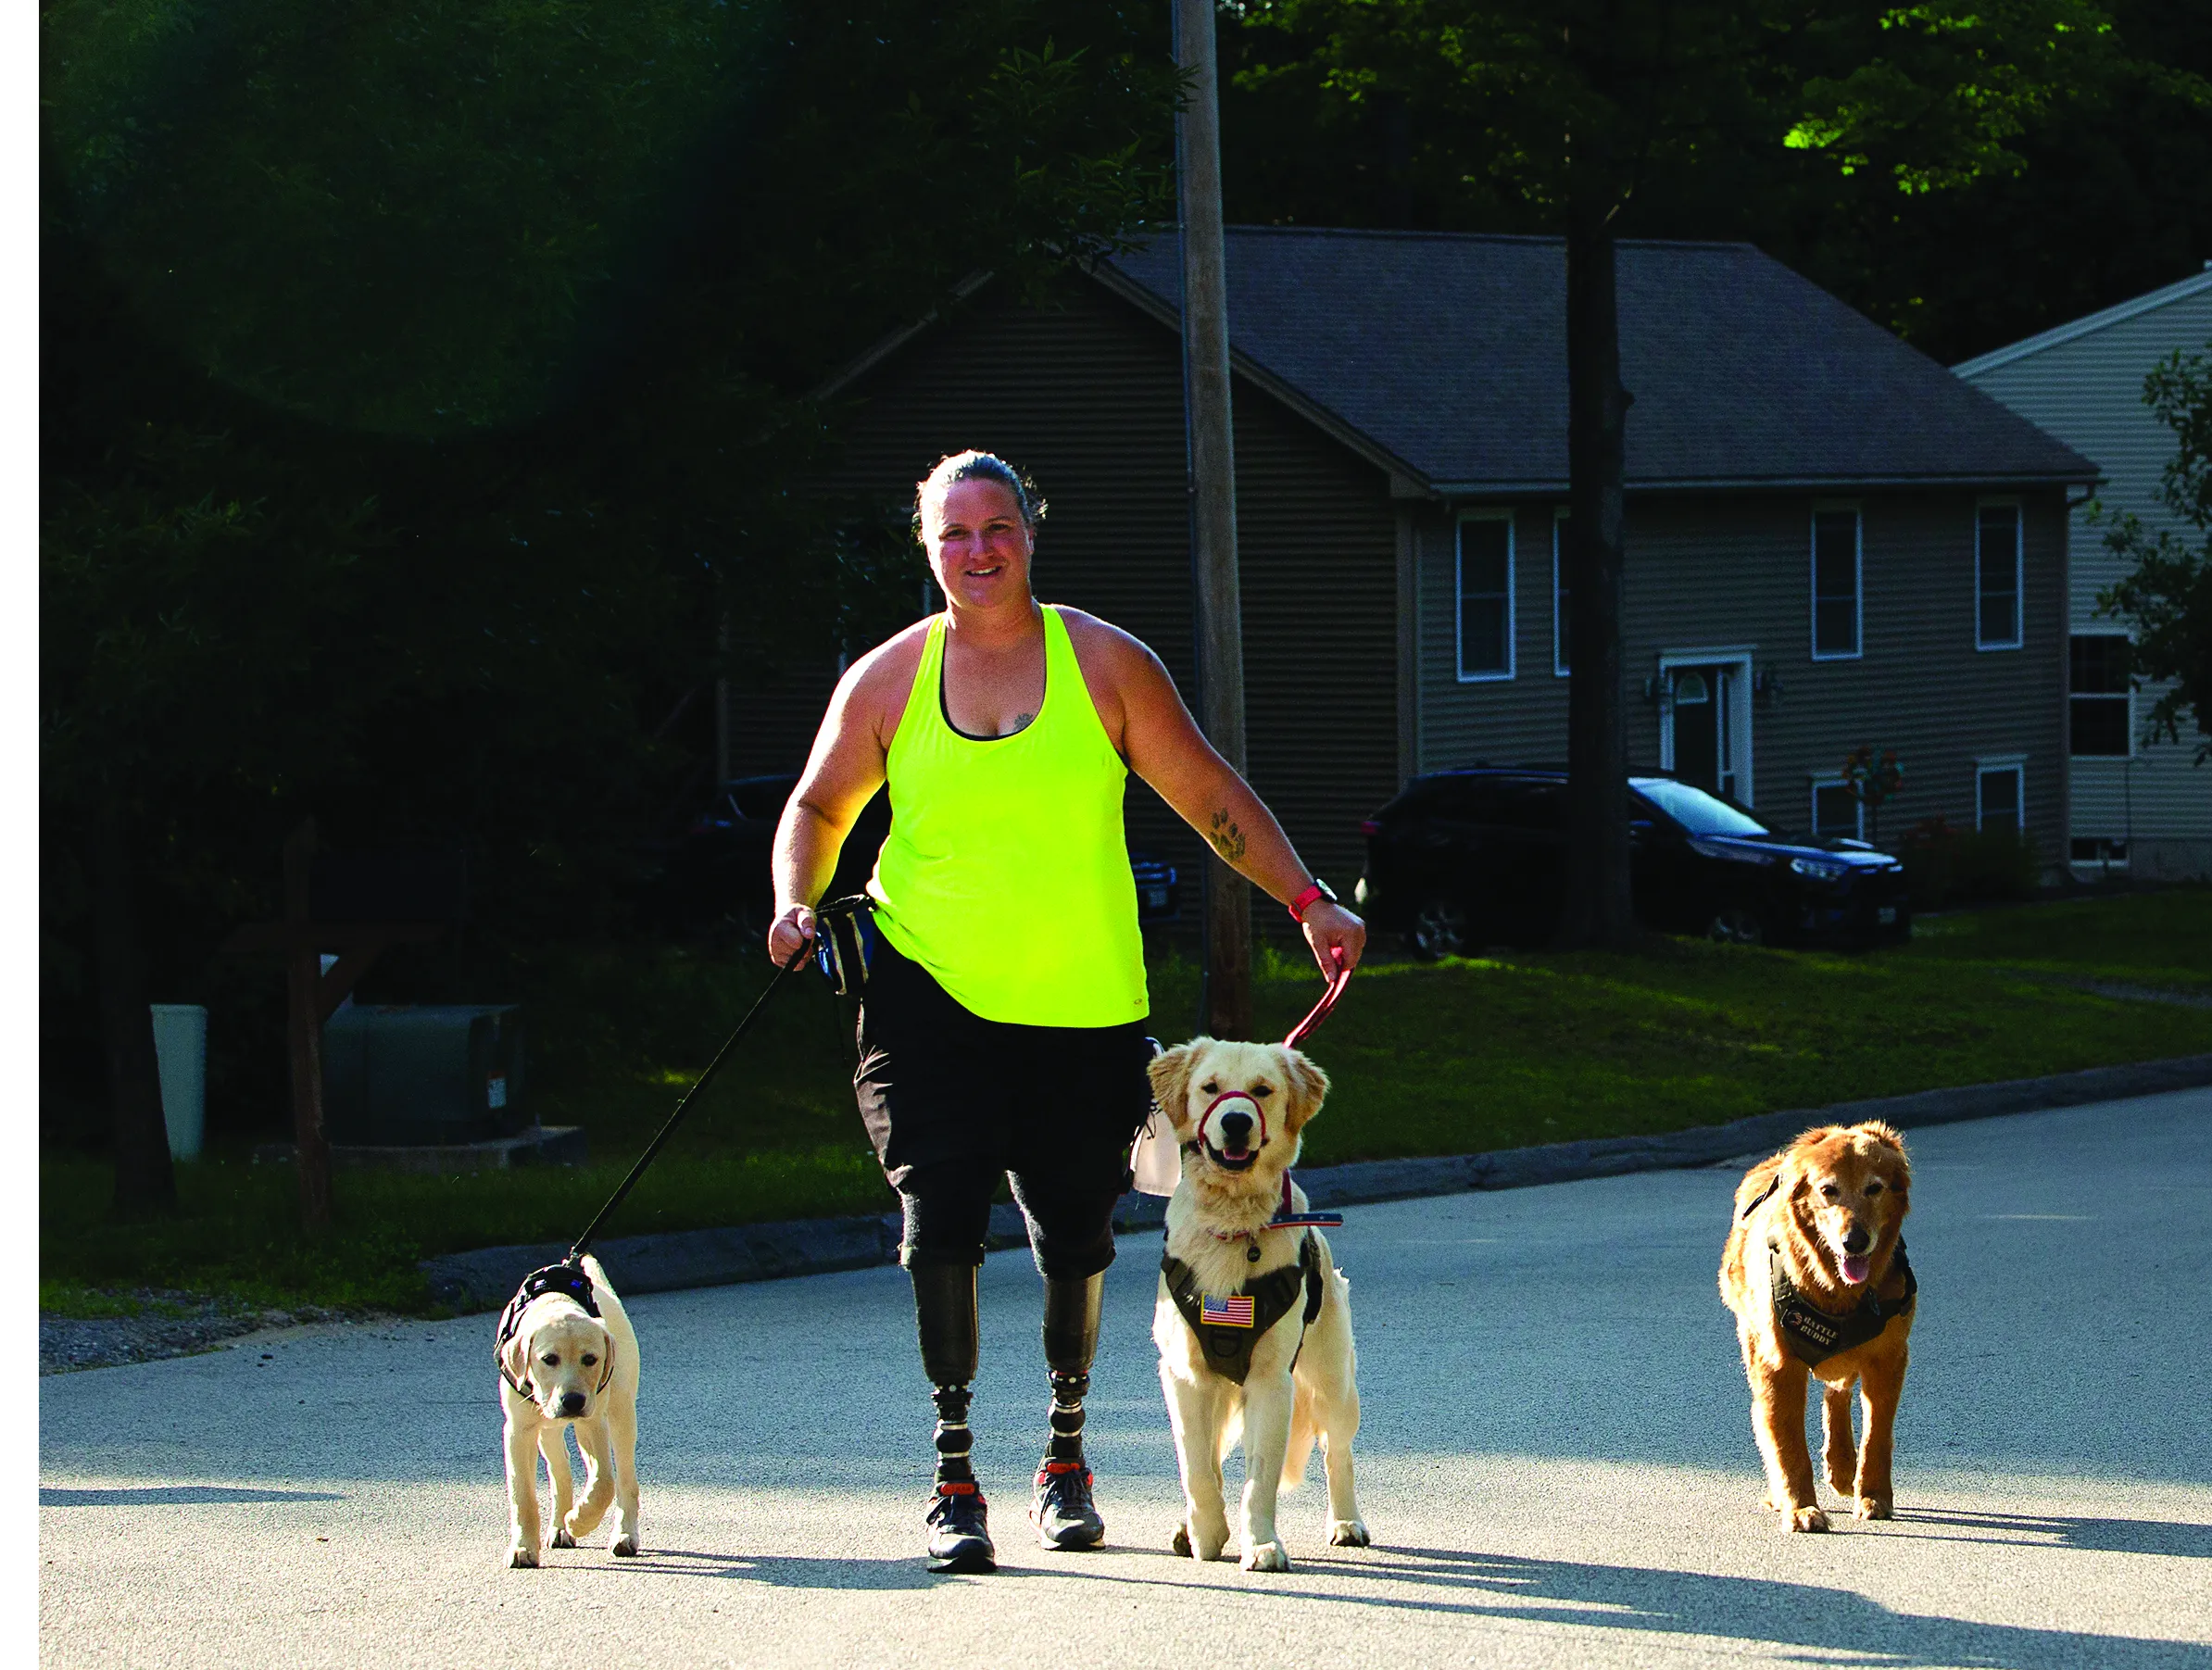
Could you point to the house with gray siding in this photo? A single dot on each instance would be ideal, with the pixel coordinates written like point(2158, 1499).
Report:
point(1831, 539)
point(2137, 804)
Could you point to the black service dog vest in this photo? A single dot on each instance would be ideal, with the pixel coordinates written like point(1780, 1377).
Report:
point(1228, 1328)
point(1814, 1335)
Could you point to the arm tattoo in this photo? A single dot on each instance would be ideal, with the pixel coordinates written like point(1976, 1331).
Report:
point(1228, 840)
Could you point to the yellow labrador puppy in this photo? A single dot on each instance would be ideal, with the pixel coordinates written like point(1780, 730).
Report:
point(1253, 1320)
point(568, 1356)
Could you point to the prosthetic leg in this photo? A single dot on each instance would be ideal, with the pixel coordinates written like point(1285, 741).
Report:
point(959, 1537)
point(1061, 1508)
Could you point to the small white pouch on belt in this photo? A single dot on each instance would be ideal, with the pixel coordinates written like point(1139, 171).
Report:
point(1156, 1162)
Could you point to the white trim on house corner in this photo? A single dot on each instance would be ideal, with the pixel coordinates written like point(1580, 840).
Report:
point(2019, 572)
point(1858, 578)
point(1559, 666)
point(1459, 598)
point(1990, 361)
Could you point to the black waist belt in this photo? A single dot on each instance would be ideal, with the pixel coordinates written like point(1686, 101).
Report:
point(1814, 1335)
point(1228, 1328)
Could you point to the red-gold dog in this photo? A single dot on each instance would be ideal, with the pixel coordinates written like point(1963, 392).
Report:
point(1815, 1271)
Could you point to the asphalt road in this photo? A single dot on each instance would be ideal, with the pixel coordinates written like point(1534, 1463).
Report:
point(1556, 1463)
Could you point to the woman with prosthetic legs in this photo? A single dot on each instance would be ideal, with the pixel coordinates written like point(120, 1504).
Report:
point(1001, 1025)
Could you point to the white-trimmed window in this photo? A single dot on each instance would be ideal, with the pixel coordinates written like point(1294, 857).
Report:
point(1562, 618)
point(2100, 705)
point(1997, 574)
point(1484, 588)
point(2000, 793)
point(1836, 810)
point(1836, 567)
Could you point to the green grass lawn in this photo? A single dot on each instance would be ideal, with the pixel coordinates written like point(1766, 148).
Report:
point(1452, 1058)
point(2161, 939)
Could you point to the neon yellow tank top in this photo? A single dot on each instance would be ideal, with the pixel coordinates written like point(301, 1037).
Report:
point(1006, 874)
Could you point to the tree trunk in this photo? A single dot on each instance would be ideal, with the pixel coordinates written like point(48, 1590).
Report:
point(138, 1139)
point(1597, 908)
point(302, 984)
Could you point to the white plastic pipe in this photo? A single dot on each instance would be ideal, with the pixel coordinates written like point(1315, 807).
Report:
point(180, 1051)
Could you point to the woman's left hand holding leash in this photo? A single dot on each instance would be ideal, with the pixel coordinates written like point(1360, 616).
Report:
point(1331, 928)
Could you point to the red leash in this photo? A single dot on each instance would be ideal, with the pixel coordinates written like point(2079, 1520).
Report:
point(1319, 1012)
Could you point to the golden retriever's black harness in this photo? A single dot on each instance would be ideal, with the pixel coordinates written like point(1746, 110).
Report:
point(568, 1280)
point(1228, 1328)
point(1814, 1335)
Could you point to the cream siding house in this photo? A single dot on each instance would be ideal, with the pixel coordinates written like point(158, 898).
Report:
point(2135, 804)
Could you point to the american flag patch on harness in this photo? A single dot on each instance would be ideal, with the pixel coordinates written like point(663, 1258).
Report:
point(1235, 1312)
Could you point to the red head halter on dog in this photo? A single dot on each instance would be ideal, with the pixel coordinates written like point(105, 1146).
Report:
point(1285, 1218)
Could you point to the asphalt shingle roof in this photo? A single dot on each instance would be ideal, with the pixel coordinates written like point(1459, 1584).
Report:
point(1448, 353)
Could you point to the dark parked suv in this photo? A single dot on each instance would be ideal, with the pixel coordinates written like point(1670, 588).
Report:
point(1462, 860)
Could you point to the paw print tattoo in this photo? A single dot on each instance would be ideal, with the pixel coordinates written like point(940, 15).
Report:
point(1228, 840)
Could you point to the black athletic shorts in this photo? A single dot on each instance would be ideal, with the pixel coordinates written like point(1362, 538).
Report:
point(953, 1102)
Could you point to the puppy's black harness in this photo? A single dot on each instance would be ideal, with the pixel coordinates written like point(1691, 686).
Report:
point(571, 1282)
point(1814, 1335)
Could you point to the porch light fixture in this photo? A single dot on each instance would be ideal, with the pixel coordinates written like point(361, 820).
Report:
point(1766, 687)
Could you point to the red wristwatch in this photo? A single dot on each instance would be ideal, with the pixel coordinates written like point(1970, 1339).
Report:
point(1315, 891)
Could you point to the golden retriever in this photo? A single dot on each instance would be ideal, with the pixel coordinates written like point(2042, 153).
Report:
point(560, 1366)
point(1815, 1271)
point(1279, 1381)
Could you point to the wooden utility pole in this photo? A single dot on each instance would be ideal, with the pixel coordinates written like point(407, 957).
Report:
point(1212, 461)
point(1598, 906)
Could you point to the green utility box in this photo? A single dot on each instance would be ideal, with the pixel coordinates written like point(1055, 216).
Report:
point(419, 1073)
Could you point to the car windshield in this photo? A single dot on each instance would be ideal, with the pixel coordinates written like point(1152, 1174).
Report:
point(1694, 809)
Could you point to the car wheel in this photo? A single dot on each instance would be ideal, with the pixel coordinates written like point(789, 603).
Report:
point(1737, 924)
point(1439, 930)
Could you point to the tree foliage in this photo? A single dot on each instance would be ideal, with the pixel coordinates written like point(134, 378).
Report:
point(1964, 175)
point(425, 383)
point(2167, 598)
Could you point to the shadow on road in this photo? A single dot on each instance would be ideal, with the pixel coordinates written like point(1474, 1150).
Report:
point(171, 1496)
point(1746, 1609)
point(2190, 1542)
point(1753, 1610)
point(792, 1571)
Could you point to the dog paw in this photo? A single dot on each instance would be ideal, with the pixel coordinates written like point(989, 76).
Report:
point(626, 1547)
point(1180, 1542)
point(1266, 1557)
point(1808, 1519)
point(561, 1539)
point(1871, 1507)
point(1348, 1534)
point(521, 1559)
point(1842, 1484)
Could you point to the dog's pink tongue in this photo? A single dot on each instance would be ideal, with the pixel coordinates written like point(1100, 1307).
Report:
point(1854, 1269)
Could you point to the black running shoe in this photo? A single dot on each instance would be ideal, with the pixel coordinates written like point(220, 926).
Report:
point(960, 1532)
point(1062, 1511)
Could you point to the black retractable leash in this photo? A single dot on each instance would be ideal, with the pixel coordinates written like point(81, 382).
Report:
point(653, 1147)
point(841, 943)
